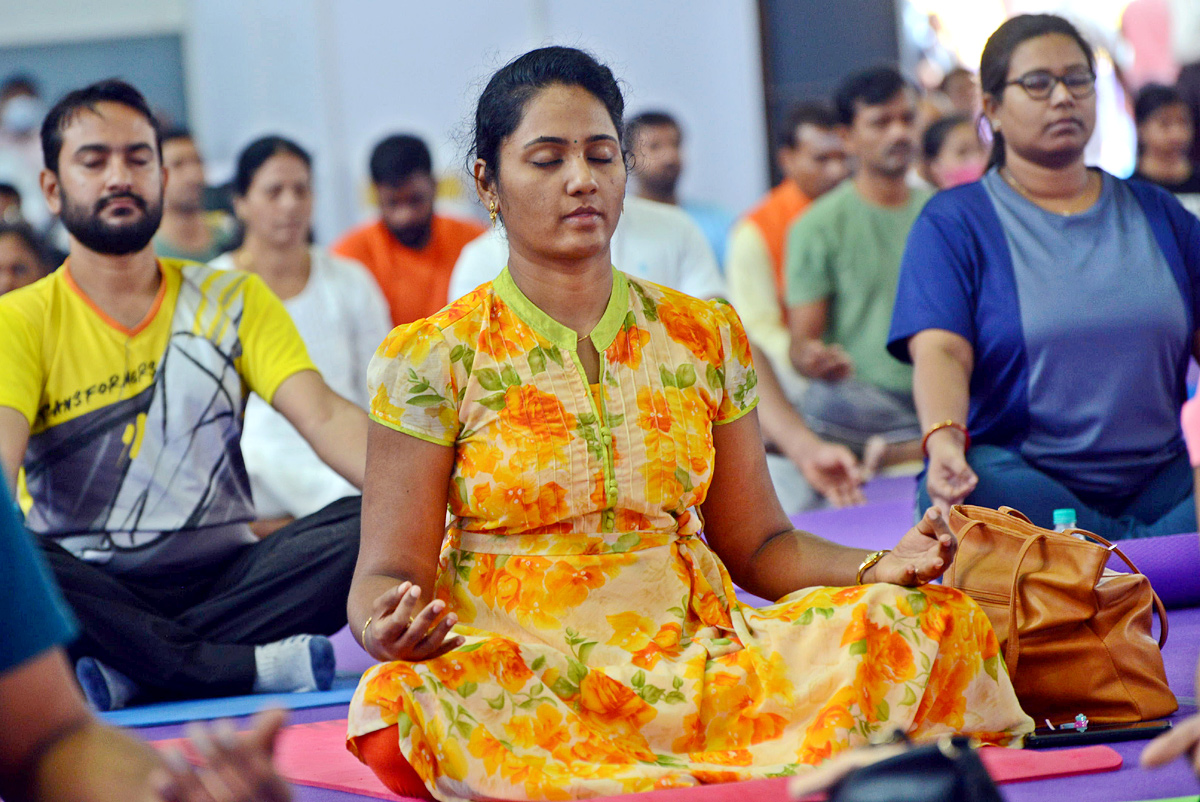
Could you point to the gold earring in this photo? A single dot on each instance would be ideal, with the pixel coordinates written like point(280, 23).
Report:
point(492, 212)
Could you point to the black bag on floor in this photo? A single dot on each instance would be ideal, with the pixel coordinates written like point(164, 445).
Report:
point(948, 770)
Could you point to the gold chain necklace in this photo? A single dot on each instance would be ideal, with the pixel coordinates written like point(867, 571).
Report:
point(1069, 203)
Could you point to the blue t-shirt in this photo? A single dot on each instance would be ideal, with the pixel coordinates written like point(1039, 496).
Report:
point(715, 222)
point(33, 615)
point(1081, 325)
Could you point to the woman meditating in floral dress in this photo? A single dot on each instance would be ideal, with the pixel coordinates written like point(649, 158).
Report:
point(575, 632)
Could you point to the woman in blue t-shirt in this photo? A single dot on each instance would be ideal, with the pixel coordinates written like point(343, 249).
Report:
point(1049, 311)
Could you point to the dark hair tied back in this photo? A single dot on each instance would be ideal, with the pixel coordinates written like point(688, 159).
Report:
point(502, 104)
point(997, 56)
point(255, 155)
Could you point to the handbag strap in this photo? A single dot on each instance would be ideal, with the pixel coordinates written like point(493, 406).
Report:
point(1013, 513)
point(1159, 607)
point(1012, 650)
point(960, 536)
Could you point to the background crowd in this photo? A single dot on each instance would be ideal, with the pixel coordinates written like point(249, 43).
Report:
point(901, 291)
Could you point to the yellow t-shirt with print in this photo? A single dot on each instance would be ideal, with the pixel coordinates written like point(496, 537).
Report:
point(134, 432)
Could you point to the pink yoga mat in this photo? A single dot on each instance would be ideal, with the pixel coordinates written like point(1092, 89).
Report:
point(315, 754)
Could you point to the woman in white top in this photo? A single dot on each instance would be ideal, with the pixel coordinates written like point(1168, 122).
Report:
point(336, 305)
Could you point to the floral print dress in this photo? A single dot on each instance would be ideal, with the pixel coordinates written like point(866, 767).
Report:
point(605, 650)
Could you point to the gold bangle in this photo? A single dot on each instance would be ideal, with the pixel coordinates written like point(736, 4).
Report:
point(870, 560)
point(946, 424)
point(362, 636)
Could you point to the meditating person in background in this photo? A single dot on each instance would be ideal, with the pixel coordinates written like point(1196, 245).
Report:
point(337, 308)
point(1165, 133)
point(124, 381)
point(577, 636)
point(410, 250)
point(951, 152)
point(22, 260)
point(53, 749)
point(1049, 311)
point(842, 259)
point(188, 230)
point(812, 158)
point(656, 144)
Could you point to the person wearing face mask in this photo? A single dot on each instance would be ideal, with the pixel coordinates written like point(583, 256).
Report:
point(1049, 311)
point(21, 112)
point(953, 154)
point(337, 308)
point(410, 250)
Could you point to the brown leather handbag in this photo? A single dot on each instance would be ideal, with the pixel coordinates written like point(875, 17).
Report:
point(1075, 637)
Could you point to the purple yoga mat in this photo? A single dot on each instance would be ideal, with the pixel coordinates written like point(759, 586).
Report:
point(1171, 563)
point(871, 526)
point(351, 659)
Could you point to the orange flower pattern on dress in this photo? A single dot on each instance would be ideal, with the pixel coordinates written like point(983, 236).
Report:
point(627, 347)
point(606, 651)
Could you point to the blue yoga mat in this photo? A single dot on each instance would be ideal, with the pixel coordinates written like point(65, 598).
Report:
point(229, 706)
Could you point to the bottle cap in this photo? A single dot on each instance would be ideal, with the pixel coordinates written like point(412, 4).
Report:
point(1063, 516)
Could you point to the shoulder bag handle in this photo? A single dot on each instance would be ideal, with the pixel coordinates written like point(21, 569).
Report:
point(1012, 649)
point(1159, 607)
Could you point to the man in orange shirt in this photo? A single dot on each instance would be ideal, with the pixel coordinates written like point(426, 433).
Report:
point(410, 249)
point(812, 158)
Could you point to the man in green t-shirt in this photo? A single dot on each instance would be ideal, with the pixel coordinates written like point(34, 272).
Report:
point(842, 264)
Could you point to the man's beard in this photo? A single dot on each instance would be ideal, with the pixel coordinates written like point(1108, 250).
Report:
point(662, 183)
point(120, 239)
point(415, 236)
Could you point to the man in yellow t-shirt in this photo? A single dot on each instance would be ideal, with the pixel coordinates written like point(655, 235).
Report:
point(125, 381)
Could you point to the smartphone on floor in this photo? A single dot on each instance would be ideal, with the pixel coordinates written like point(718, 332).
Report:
point(1044, 738)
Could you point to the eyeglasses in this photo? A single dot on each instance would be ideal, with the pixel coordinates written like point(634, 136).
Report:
point(1040, 85)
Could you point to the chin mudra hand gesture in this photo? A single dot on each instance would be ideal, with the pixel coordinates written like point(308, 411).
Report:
point(398, 630)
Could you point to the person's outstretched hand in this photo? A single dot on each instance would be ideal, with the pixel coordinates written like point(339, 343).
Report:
point(922, 555)
point(398, 632)
point(238, 766)
point(834, 472)
point(1181, 740)
point(948, 479)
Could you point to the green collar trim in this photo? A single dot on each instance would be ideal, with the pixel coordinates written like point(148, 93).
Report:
point(602, 335)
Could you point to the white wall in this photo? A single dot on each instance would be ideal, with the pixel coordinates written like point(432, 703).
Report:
point(36, 22)
point(339, 74)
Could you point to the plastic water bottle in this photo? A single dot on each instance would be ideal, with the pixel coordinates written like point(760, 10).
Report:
point(1064, 519)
